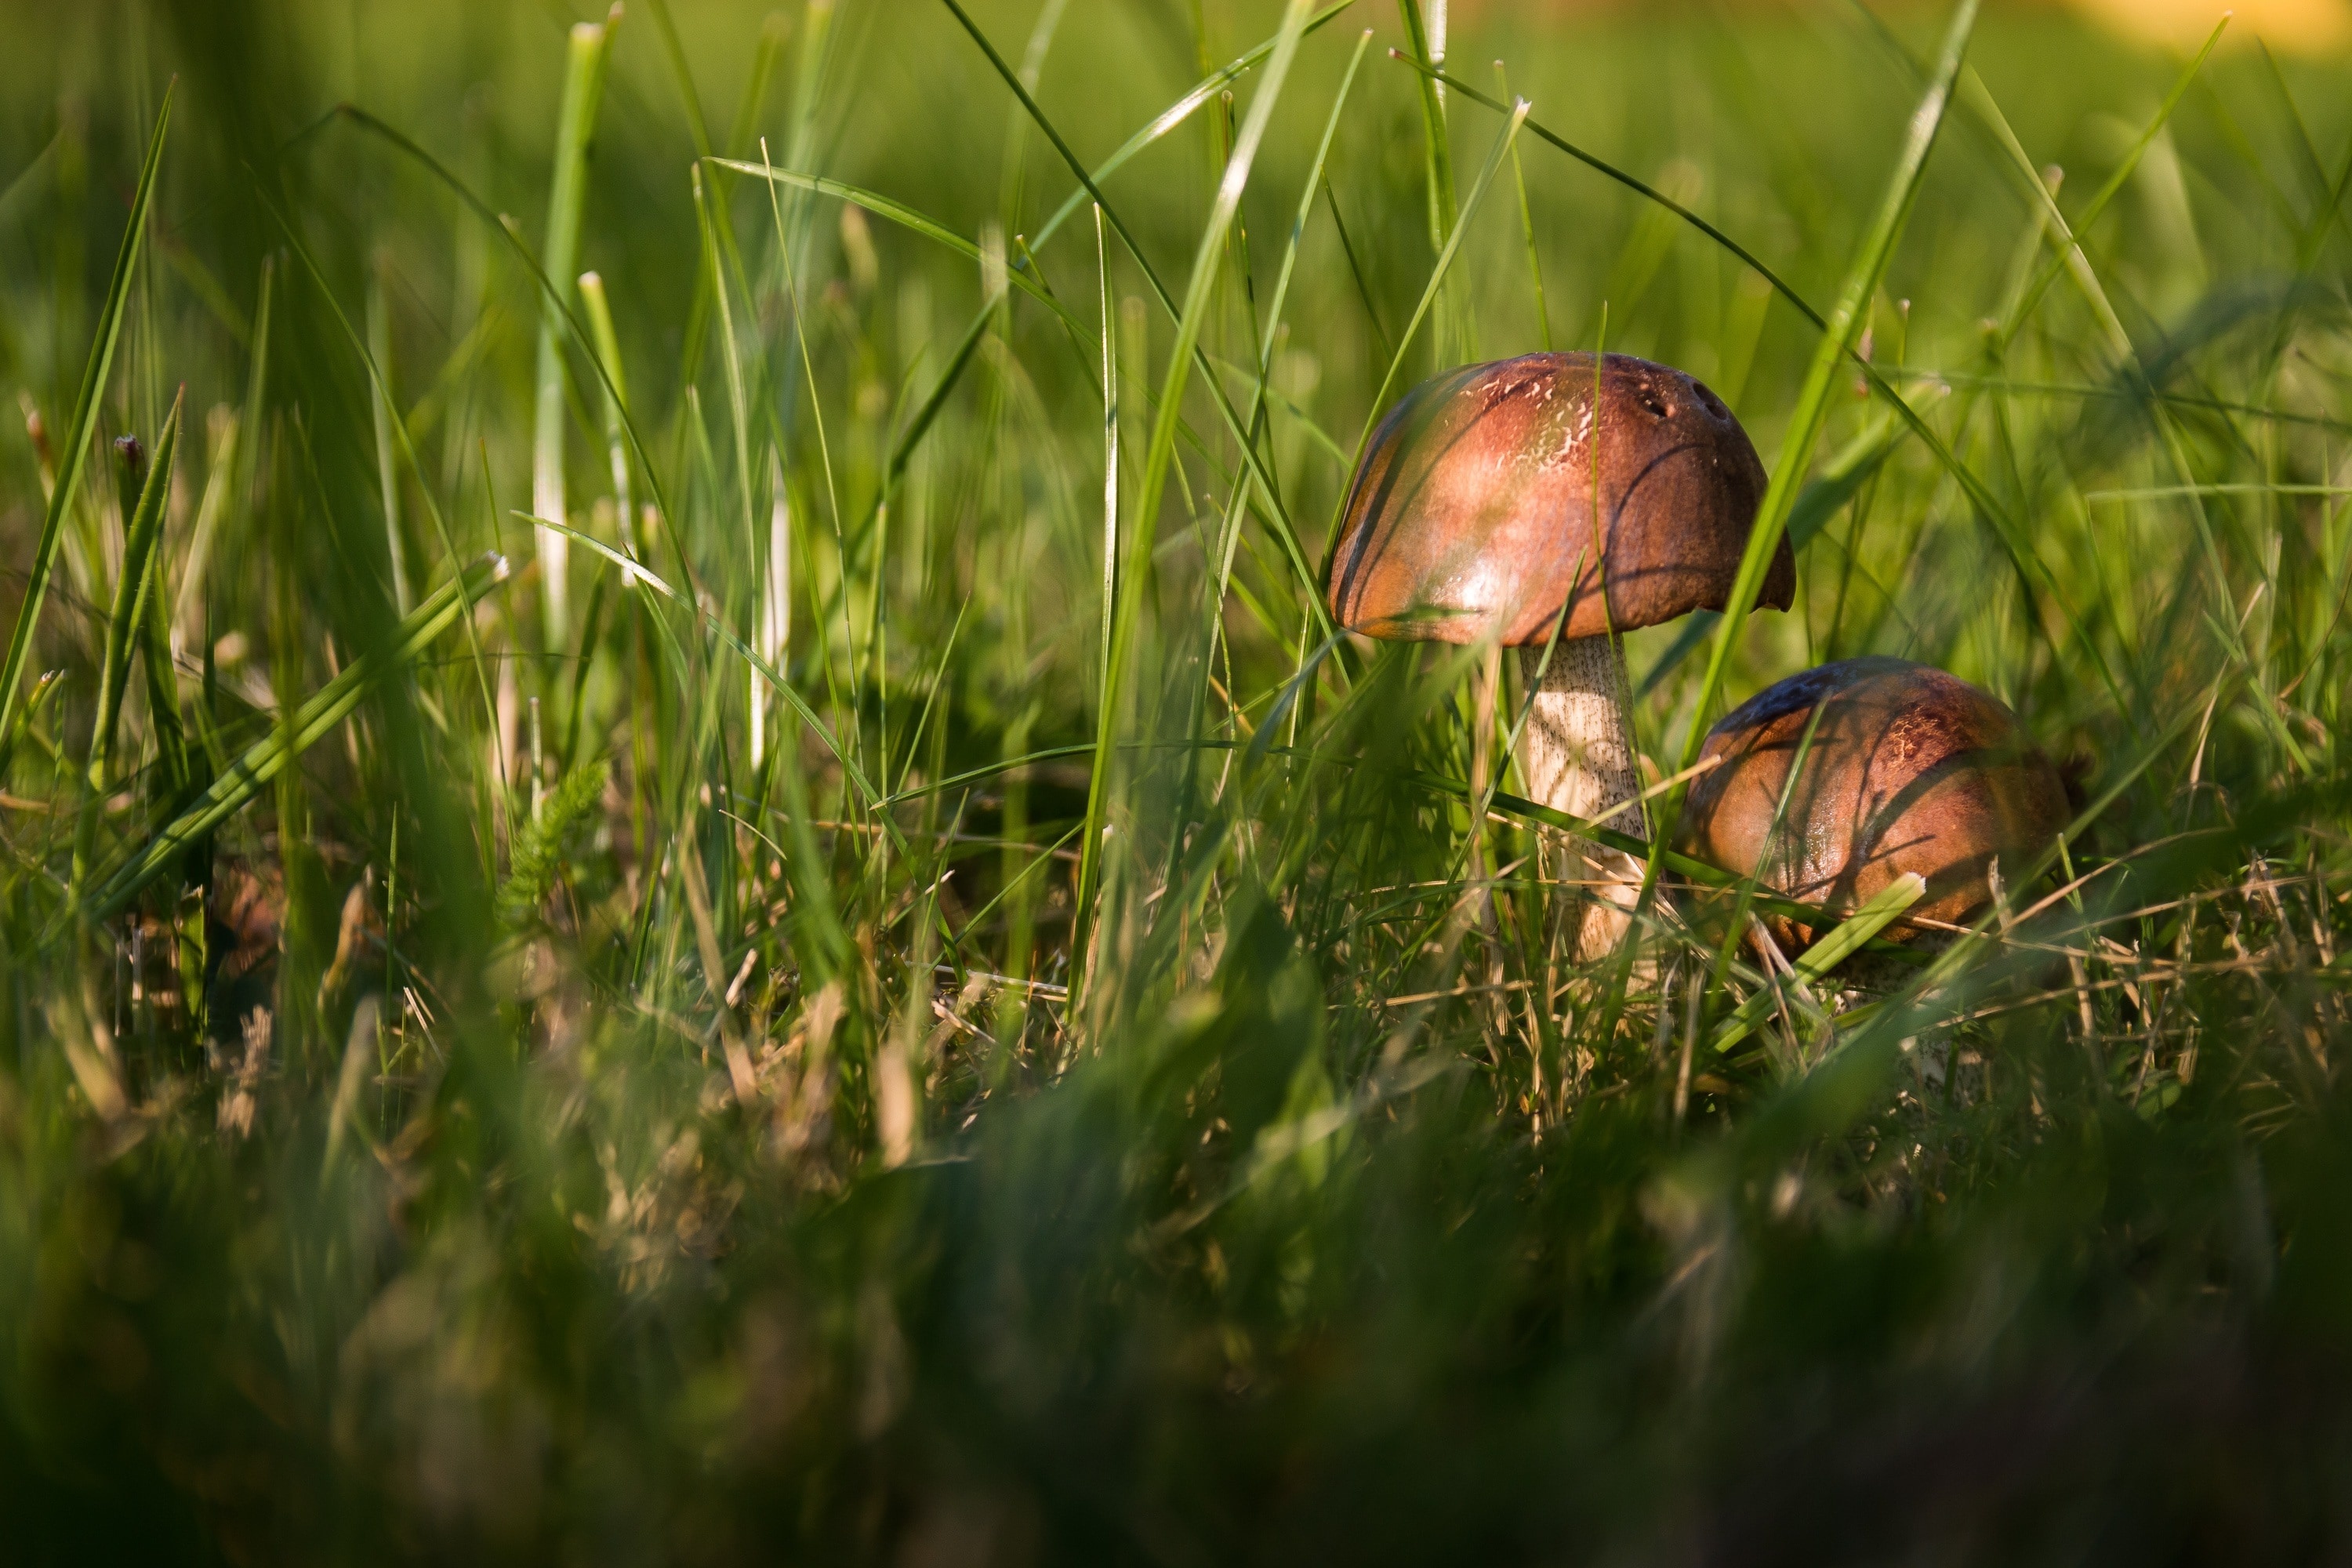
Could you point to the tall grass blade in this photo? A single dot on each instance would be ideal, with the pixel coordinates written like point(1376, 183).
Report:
point(1204, 92)
point(1813, 404)
point(382, 408)
point(1437, 155)
point(140, 531)
point(82, 430)
point(584, 86)
point(775, 638)
point(1437, 162)
point(615, 389)
point(166, 725)
point(1129, 612)
point(1112, 416)
point(1528, 226)
point(221, 467)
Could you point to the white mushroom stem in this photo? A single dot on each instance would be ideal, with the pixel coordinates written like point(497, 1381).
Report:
point(1577, 752)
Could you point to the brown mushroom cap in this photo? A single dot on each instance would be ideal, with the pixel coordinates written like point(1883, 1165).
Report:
point(1473, 505)
point(1910, 769)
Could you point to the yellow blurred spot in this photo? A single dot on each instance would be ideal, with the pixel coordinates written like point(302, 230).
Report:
point(2301, 25)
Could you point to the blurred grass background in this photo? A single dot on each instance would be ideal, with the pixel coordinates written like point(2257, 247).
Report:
point(612, 1102)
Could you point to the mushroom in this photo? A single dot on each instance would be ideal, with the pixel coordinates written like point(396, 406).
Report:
point(1908, 769)
point(1472, 516)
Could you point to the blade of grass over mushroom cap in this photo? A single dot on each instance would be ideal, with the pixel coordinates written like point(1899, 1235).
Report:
point(1812, 406)
point(1735, 928)
point(1206, 266)
point(1834, 949)
point(1696, 870)
point(1836, 1091)
point(83, 428)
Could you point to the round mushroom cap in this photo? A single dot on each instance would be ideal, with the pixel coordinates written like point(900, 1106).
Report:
point(1473, 510)
point(1910, 769)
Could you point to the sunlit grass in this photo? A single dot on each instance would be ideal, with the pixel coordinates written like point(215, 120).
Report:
point(919, 1000)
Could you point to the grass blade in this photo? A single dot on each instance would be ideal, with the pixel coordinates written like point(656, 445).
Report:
point(1157, 459)
point(83, 428)
point(1111, 415)
point(132, 590)
point(1527, 227)
point(1169, 118)
point(1437, 156)
point(584, 86)
point(1824, 955)
point(616, 392)
point(382, 408)
point(1813, 406)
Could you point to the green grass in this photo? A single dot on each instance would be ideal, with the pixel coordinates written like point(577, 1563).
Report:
point(922, 1007)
